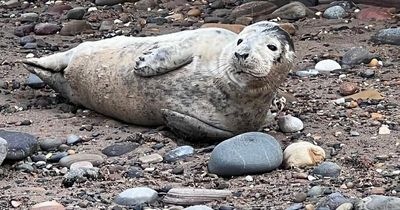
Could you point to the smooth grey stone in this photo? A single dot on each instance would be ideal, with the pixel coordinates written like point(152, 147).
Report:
point(135, 196)
point(72, 139)
point(95, 159)
point(178, 153)
point(295, 206)
point(356, 56)
point(379, 202)
point(108, 2)
point(368, 73)
point(58, 156)
point(26, 167)
point(315, 191)
point(3, 150)
point(307, 73)
point(26, 39)
point(333, 200)
point(37, 158)
point(20, 145)
point(248, 153)
point(30, 46)
point(51, 144)
point(198, 207)
point(327, 169)
point(106, 25)
point(34, 82)
point(119, 149)
point(292, 11)
point(335, 12)
point(76, 13)
point(309, 3)
point(29, 17)
point(387, 36)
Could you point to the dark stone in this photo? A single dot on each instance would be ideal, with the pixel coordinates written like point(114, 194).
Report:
point(253, 9)
point(368, 73)
point(327, 169)
point(387, 36)
point(20, 145)
point(333, 201)
point(30, 46)
point(356, 56)
point(108, 2)
point(34, 82)
point(178, 153)
point(46, 28)
point(134, 172)
point(26, 39)
point(76, 13)
point(57, 156)
point(119, 149)
point(24, 30)
point(177, 170)
point(75, 27)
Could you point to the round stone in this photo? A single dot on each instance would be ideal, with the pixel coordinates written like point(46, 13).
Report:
point(72, 139)
point(135, 196)
point(119, 149)
point(335, 12)
point(248, 153)
point(327, 169)
point(46, 28)
point(290, 124)
point(315, 191)
point(81, 164)
point(20, 145)
point(29, 17)
point(76, 13)
point(51, 144)
point(327, 65)
point(356, 56)
point(67, 161)
point(178, 153)
point(3, 150)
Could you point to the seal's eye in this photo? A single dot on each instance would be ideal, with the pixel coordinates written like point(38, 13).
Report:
point(272, 47)
point(239, 41)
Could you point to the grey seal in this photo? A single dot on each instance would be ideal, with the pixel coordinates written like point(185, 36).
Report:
point(205, 84)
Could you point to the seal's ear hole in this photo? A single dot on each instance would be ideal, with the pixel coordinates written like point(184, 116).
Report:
point(239, 41)
point(272, 47)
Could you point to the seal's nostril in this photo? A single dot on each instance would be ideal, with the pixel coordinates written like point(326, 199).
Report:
point(241, 56)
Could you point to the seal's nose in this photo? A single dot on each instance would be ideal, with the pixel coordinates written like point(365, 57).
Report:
point(241, 56)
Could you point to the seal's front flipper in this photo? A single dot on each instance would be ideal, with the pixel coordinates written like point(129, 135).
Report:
point(193, 129)
point(160, 60)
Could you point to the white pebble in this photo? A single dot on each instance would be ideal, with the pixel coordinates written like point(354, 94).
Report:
point(92, 9)
point(30, 55)
point(327, 65)
point(249, 178)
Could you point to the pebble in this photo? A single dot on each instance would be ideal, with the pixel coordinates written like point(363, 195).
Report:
point(153, 158)
point(72, 139)
point(302, 154)
point(3, 150)
point(134, 172)
point(387, 36)
point(307, 73)
point(377, 191)
point(135, 196)
point(290, 124)
point(198, 207)
point(178, 153)
point(29, 17)
point(356, 56)
point(24, 30)
point(34, 81)
point(296, 206)
point(76, 13)
point(53, 205)
point(384, 130)
point(95, 159)
point(51, 144)
point(26, 167)
point(26, 39)
point(12, 4)
point(75, 27)
point(57, 156)
point(333, 201)
point(81, 164)
point(327, 65)
point(348, 88)
point(177, 170)
point(119, 149)
point(335, 12)
point(345, 206)
point(327, 169)
point(108, 2)
point(315, 191)
point(253, 9)
point(194, 12)
point(80, 175)
point(368, 73)
point(46, 28)
point(249, 178)
point(354, 133)
point(379, 202)
point(246, 154)
point(300, 197)
point(291, 11)
point(20, 145)
point(106, 25)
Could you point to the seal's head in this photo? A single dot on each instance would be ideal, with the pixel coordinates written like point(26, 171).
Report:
point(262, 56)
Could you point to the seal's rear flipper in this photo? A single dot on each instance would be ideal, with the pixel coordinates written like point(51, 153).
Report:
point(193, 129)
point(55, 63)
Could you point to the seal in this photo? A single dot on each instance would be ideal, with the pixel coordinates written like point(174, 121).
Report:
point(205, 84)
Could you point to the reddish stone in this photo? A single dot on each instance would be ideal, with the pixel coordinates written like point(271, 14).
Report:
point(376, 13)
point(58, 9)
point(381, 3)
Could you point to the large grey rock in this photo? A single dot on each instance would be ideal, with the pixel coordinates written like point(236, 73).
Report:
point(248, 153)
point(3, 150)
point(356, 56)
point(387, 36)
point(20, 145)
point(379, 202)
point(335, 12)
point(135, 196)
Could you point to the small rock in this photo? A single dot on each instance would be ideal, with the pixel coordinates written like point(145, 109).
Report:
point(193, 196)
point(315, 191)
point(46, 28)
point(356, 56)
point(236, 28)
point(198, 207)
point(292, 11)
point(384, 130)
point(20, 145)
point(246, 154)
point(26, 39)
point(76, 13)
point(369, 73)
point(333, 201)
point(12, 4)
point(34, 82)
point(253, 9)
point(26, 167)
point(93, 158)
point(335, 12)
point(75, 27)
point(51, 144)
point(72, 139)
point(106, 25)
point(300, 197)
point(307, 73)
point(177, 170)
point(119, 149)
point(3, 150)
point(387, 36)
point(80, 175)
point(134, 172)
point(348, 88)
point(135, 196)
point(53, 205)
point(23, 30)
point(108, 2)
point(29, 17)
point(248, 178)
point(301, 154)
point(379, 202)
point(327, 169)
point(153, 158)
point(377, 191)
point(81, 164)
point(296, 206)
point(178, 153)
point(194, 12)
point(345, 206)
point(57, 156)
point(290, 124)
point(327, 65)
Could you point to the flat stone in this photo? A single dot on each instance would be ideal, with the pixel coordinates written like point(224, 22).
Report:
point(327, 169)
point(75, 27)
point(134, 172)
point(335, 12)
point(153, 158)
point(178, 153)
point(119, 149)
point(76, 13)
point(34, 82)
point(253, 9)
point(20, 145)
point(48, 205)
point(356, 56)
point(95, 159)
point(46, 28)
point(51, 144)
point(58, 156)
point(58, 9)
point(387, 36)
point(248, 153)
point(29, 17)
point(135, 196)
point(198, 207)
point(3, 150)
point(296, 206)
point(345, 206)
point(379, 202)
point(72, 139)
point(12, 4)
point(26, 39)
point(327, 65)
point(290, 124)
point(81, 164)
